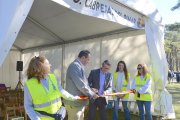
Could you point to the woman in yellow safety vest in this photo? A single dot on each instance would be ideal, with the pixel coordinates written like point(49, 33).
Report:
point(121, 83)
point(42, 92)
point(143, 93)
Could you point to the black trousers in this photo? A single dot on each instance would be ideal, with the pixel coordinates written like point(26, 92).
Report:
point(99, 103)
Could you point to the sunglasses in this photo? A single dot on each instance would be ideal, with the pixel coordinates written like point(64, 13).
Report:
point(139, 68)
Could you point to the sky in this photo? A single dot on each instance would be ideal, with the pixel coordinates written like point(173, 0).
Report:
point(164, 8)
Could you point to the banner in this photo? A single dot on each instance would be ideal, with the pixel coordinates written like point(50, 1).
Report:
point(107, 10)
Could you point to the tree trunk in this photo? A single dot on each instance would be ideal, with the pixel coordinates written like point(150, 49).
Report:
point(176, 59)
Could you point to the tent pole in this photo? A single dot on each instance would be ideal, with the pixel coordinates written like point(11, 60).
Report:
point(100, 53)
point(63, 66)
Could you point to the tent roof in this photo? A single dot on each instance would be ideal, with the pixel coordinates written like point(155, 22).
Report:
point(49, 23)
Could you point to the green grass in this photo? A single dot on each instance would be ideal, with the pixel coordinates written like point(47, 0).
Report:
point(174, 89)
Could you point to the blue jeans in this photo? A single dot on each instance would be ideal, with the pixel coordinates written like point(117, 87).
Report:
point(116, 109)
point(147, 105)
point(125, 108)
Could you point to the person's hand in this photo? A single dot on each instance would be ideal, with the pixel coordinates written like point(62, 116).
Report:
point(77, 97)
point(95, 90)
point(95, 96)
point(133, 91)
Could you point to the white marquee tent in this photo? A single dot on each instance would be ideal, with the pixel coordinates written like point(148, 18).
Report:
point(129, 30)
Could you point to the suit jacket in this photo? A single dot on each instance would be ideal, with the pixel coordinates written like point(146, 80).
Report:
point(94, 81)
point(77, 83)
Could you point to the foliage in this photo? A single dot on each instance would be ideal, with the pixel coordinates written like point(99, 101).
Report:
point(173, 27)
point(177, 6)
point(172, 36)
point(172, 45)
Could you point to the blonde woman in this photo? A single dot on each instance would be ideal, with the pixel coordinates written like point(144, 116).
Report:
point(42, 92)
point(143, 92)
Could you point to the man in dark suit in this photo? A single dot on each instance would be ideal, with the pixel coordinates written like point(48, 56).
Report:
point(100, 81)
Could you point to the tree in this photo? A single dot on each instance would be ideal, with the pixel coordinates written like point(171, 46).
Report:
point(176, 6)
point(172, 45)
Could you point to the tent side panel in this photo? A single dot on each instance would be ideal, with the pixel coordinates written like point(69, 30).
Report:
point(8, 73)
point(129, 47)
point(53, 54)
point(126, 46)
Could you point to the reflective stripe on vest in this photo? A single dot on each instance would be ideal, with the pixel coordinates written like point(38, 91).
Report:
point(47, 104)
point(140, 83)
point(45, 100)
point(124, 86)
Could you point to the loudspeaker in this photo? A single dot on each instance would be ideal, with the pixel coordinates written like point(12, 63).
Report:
point(19, 66)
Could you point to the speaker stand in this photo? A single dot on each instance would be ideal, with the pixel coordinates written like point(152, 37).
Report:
point(19, 85)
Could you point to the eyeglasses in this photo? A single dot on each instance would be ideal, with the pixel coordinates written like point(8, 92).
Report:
point(139, 68)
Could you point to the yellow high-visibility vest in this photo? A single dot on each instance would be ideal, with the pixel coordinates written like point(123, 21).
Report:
point(45, 100)
point(140, 83)
point(124, 86)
